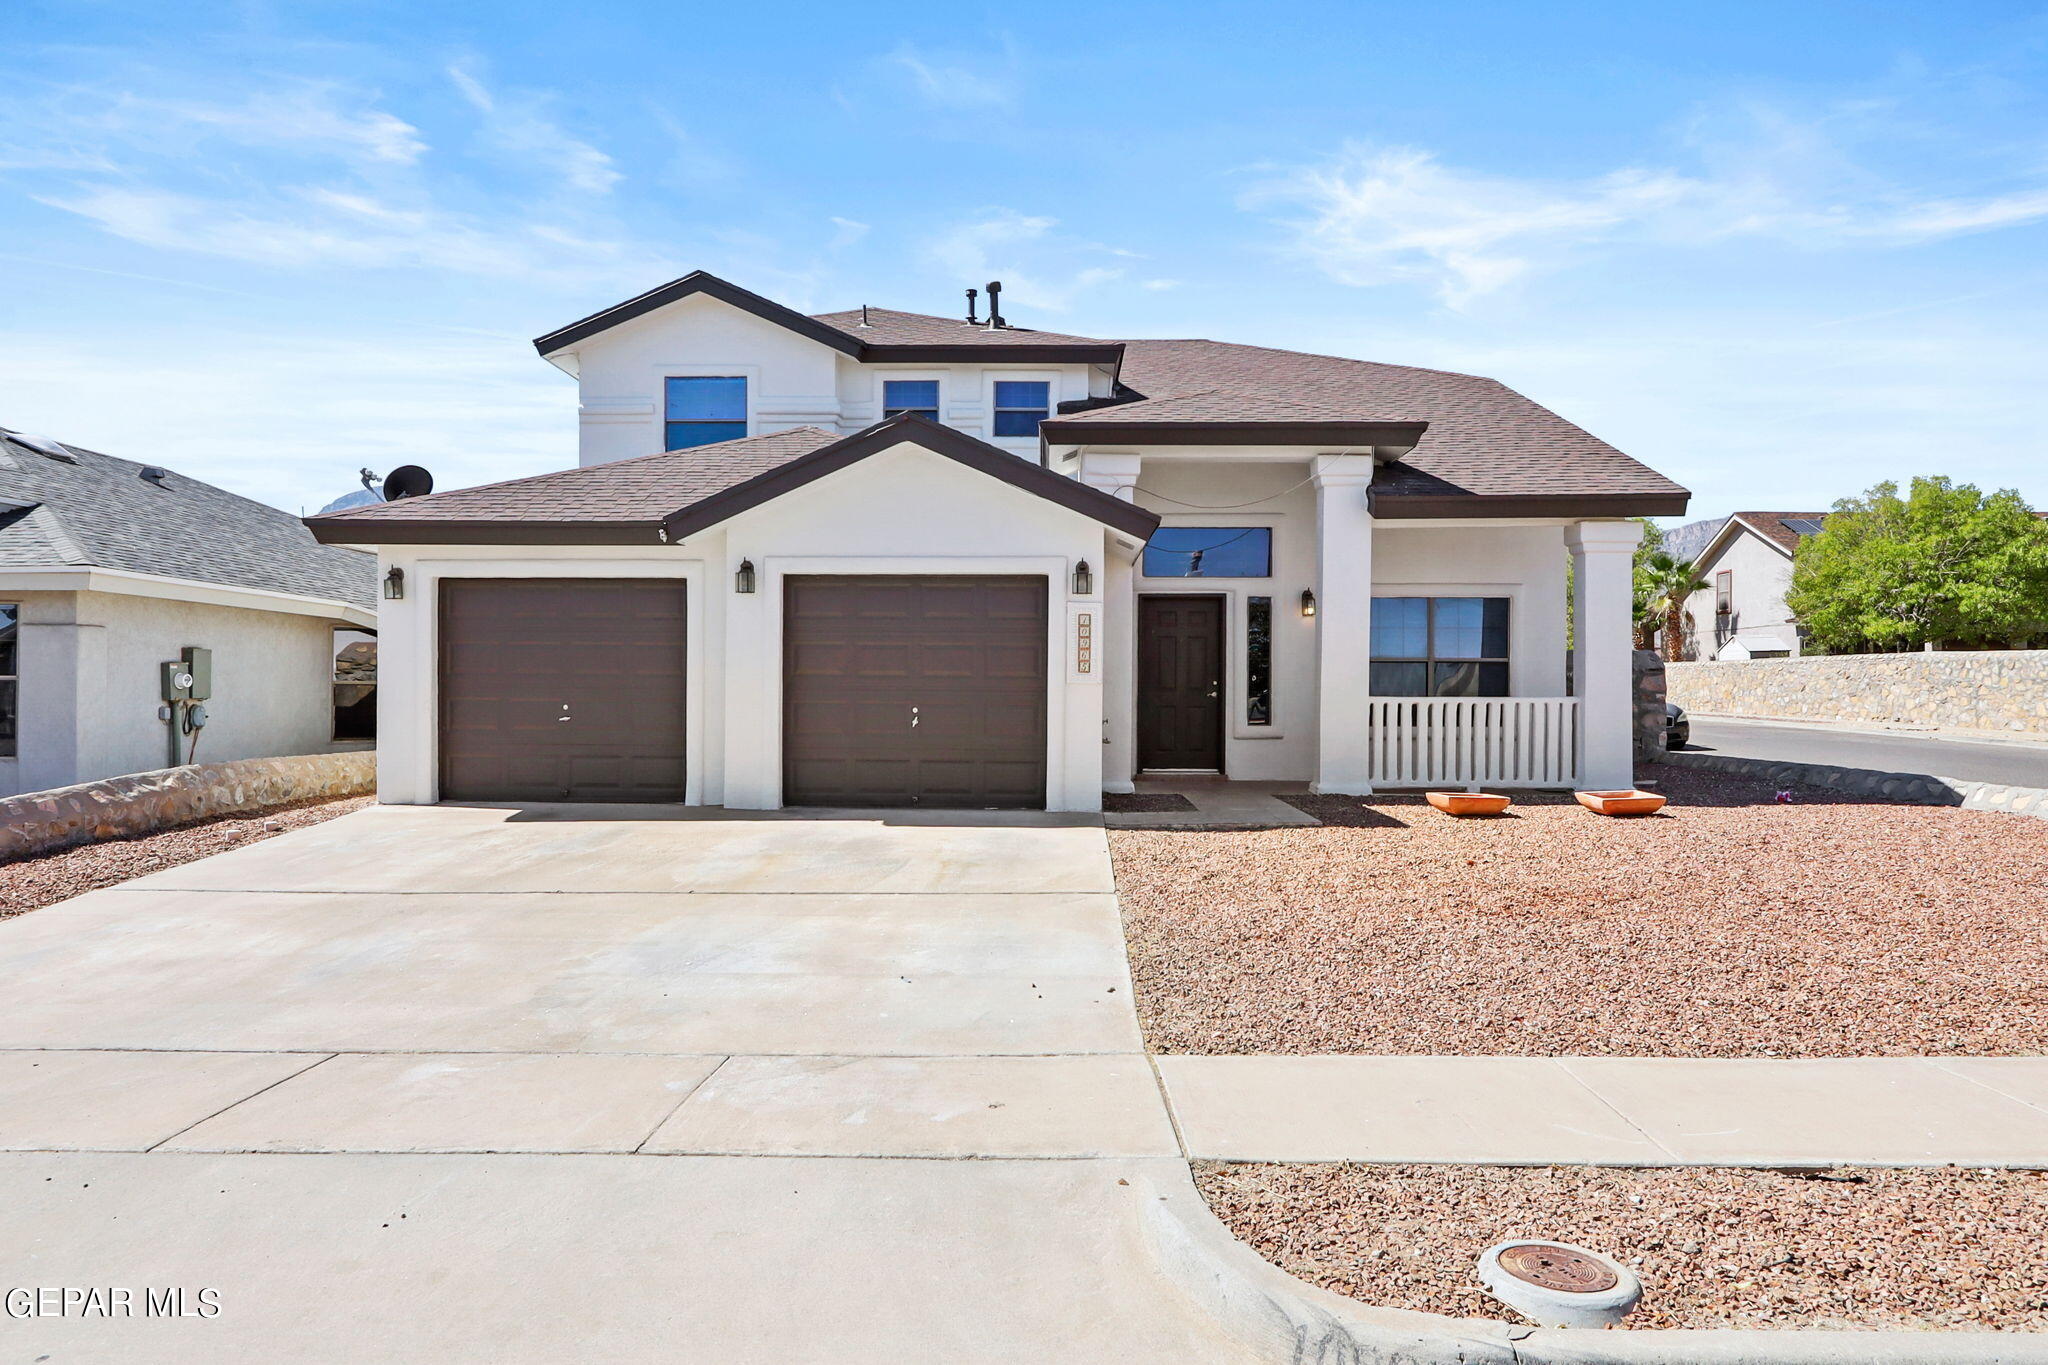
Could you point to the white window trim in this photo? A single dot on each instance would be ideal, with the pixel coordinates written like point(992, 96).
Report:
point(884, 375)
point(664, 373)
point(990, 374)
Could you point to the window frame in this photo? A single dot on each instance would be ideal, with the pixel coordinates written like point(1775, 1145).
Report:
point(10, 690)
point(745, 421)
point(887, 377)
point(1258, 680)
point(1724, 592)
point(334, 734)
point(1429, 658)
point(992, 377)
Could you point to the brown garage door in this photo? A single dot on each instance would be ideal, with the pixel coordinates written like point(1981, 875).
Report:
point(561, 689)
point(914, 691)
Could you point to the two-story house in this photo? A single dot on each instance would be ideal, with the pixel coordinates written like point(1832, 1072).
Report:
point(1739, 611)
point(877, 558)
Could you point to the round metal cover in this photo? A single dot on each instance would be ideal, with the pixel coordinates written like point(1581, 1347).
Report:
point(1549, 1266)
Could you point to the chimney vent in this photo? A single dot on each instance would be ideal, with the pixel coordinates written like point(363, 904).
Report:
point(995, 304)
point(972, 321)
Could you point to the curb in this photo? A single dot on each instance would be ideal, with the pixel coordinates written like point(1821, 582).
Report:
point(1917, 789)
point(1283, 1319)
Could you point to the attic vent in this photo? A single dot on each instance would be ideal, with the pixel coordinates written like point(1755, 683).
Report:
point(156, 474)
point(41, 445)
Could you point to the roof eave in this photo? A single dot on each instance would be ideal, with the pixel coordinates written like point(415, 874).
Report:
point(696, 282)
point(1433, 506)
point(1388, 438)
point(469, 531)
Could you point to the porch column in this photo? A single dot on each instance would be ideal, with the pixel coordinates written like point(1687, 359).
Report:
point(1602, 572)
point(1343, 623)
point(1117, 475)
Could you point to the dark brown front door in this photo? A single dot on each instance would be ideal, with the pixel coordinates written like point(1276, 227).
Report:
point(1180, 683)
point(562, 689)
point(914, 691)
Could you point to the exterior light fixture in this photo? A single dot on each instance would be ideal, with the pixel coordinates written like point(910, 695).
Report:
point(1084, 580)
point(394, 584)
point(1308, 602)
point(743, 581)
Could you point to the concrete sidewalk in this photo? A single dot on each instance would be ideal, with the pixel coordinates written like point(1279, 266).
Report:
point(1625, 1111)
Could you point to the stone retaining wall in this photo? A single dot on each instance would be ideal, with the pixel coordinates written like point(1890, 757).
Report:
point(1913, 789)
point(1976, 690)
point(1650, 691)
point(141, 803)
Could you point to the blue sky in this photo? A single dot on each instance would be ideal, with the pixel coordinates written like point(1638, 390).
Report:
point(1778, 251)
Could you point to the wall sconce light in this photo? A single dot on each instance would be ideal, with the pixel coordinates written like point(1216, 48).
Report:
point(1084, 580)
point(743, 581)
point(394, 584)
point(1308, 602)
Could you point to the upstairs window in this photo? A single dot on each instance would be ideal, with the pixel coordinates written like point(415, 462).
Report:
point(918, 397)
point(1021, 404)
point(1724, 592)
point(705, 408)
point(1210, 552)
point(1439, 646)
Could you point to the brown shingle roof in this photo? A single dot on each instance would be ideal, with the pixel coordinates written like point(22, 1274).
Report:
point(888, 327)
point(1771, 526)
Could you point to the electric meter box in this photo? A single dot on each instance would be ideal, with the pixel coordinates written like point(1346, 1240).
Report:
point(199, 663)
point(174, 675)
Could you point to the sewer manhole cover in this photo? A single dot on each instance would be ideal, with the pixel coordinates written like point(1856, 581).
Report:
point(1549, 1266)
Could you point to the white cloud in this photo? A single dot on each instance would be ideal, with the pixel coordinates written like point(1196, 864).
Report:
point(518, 129)
point(1157, 285)
point(847, 231)
point(982, 81)
point(1039, 268)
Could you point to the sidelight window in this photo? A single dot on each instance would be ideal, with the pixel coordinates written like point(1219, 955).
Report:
point(1258, 661)
point(1440, 646)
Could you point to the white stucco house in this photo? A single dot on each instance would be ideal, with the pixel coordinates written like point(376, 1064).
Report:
point(877, 558)
point(110, 570)
point(1739, 611)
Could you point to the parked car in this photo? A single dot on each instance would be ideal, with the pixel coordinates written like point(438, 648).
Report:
point(1677, 729)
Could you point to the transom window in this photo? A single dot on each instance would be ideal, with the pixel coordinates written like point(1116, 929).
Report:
point(1210, 552)
point(1021, 404)
point(10, 623)
point(1440, 646)
point(705, 408)
point(919, 397)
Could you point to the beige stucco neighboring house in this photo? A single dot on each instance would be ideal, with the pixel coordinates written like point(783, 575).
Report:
point(109, 569)
point(1739, 610)
point(883, 558)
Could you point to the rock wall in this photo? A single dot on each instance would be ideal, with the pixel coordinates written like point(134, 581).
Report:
point(1976, 690)
point(1651, 689)
point(139, 803)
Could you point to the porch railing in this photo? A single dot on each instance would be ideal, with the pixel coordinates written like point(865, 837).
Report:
point(1473, 741)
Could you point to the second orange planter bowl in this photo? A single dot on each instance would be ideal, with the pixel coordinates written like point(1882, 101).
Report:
point(1469, 803)
point(1630, 802)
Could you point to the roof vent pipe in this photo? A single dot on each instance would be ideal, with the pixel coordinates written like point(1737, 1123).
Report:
point(972, 321)
point(995, 304)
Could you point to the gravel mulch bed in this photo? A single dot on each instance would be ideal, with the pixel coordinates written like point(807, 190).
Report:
point(31, 883)
point(1142, 803)
point(1891, 1249)
point(1730, 926)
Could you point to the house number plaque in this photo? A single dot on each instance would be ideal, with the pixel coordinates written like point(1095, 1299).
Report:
point(1084, 642)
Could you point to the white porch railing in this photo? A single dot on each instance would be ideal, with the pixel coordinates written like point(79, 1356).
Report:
point(1473, 741)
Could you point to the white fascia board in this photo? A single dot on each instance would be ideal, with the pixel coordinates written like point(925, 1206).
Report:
point(90, 578)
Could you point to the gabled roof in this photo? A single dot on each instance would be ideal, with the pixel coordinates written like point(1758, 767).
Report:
point(1230, 417)
point(94, 511)
point(891, 336)
point(679, 492)
point(1769, 527)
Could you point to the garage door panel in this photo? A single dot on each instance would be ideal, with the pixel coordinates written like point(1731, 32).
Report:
point(862, 651)
point(562, 689)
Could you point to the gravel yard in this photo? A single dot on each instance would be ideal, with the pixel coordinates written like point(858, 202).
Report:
point(1730, 926)
point(31, 883)
point(1892, 1249)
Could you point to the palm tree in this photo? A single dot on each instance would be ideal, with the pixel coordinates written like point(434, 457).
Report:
point(1662, 585)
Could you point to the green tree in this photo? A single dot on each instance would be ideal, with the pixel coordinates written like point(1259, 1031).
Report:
point(1945, 563)
point(1662, 583)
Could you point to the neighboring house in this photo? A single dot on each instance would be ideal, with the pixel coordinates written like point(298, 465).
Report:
point(109, 569)
point(890, 559)
point(1739, 611)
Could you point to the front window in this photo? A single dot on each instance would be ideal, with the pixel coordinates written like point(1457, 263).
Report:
point(1258, 661)
point(1210, 552)
point(1440, 646)
point(918, 397)
point(1021, 404)
point(10, 626)
point(703, 409)
point(355, 684)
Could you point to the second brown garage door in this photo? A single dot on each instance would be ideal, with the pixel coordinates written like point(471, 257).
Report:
point(562, 689)
point(914, 691)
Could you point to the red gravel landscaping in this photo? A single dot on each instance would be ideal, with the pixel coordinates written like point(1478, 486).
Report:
point(1894, 1249)
point(31, 883)
point(1729, 926)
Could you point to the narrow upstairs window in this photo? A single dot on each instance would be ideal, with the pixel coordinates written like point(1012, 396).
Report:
point(703, 409)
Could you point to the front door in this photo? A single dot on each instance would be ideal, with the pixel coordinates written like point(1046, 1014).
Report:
point(1180, 683)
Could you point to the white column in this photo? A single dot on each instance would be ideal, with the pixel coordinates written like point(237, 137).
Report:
point(1343, 623)
point(1117, 475)
point(1603, 558)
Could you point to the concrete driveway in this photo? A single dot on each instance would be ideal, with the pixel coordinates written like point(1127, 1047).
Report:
point(485, 1084)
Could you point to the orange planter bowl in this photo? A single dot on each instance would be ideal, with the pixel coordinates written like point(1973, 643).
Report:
point(1630, 802)
point(1469, 803)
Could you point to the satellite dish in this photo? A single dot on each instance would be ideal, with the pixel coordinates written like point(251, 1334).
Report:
point(407, 481)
